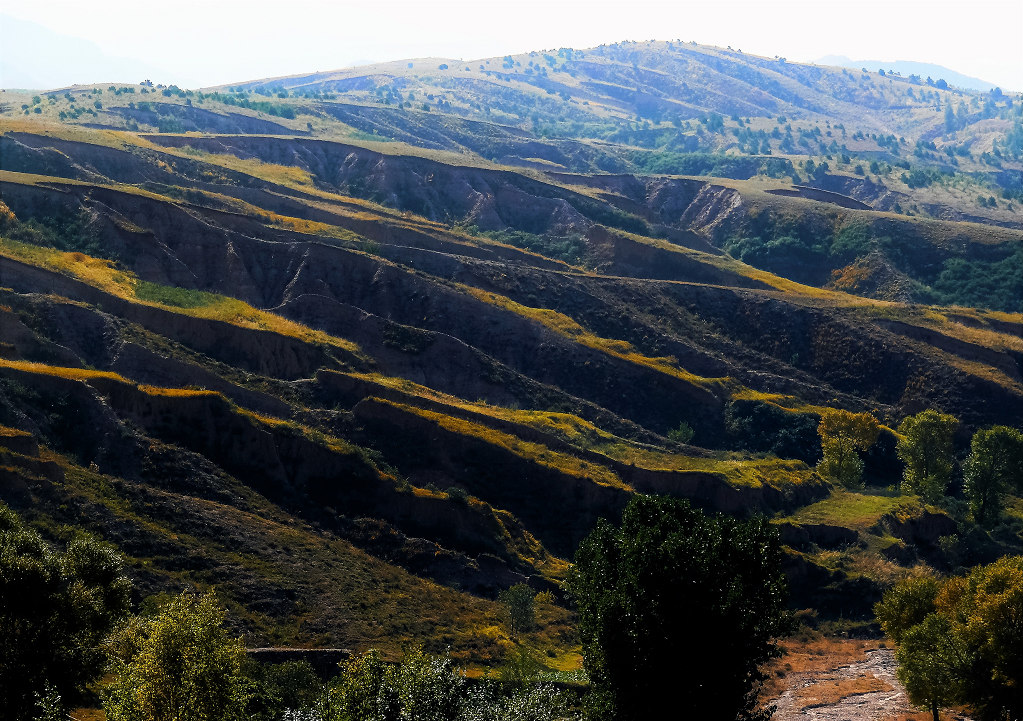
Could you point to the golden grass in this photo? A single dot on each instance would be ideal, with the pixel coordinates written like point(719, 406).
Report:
point(779, 400)
point(736, 468)
point(984, 336)
point(535, 452)
point(565, 326)
point(814, 656)
point(64, 131)
point(102, 274)
point(88, 714)
point(289, 175)
point(177, 392)
point(76, 374)
point(830, 691)
point(823, 654)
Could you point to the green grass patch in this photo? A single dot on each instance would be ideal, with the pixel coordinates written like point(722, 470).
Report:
point(856, 510)
point(174, 296)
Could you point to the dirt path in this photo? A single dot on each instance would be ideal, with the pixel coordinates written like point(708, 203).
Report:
point(861, 691)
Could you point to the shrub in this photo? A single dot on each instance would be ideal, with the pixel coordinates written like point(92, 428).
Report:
point(179, 665)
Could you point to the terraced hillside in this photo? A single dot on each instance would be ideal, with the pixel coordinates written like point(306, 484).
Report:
point(363, 387)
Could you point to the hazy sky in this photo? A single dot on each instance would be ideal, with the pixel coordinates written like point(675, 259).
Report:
point(197, 43)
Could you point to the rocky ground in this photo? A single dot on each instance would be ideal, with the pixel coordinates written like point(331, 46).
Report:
point(857, 684)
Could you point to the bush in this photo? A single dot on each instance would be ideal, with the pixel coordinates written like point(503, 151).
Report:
point(682, 434)
point(280, 688)
point(179, 665)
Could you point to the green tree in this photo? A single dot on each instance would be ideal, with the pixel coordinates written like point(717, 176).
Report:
point(670, 578)
point(906, 605)
point(961, 641)
point(179, 665)
point(994, 465)
point(931, 664)
point(842, 435)
point(420, 687)
point(55, 609)
point(519, 600)
point(987, 608)
point(925, 446)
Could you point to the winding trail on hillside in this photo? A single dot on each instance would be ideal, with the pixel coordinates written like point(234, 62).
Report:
point(804, 702)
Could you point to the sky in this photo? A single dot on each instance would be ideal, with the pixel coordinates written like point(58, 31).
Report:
point(201, 43)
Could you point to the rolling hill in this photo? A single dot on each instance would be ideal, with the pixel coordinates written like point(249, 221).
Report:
point(362, 349)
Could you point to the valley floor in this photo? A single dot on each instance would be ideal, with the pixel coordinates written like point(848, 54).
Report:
point(843, 680)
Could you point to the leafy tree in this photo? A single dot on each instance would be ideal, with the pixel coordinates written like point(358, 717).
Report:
point(961, 641)
point(842, 435)
point(987, 608)
point(179, 665)
point(995, 462)
point(906, 605)
point(925, 446)
point(931, 664)
point(519, 600)
point(668, 579)
point(55, 609)
point(357, 693)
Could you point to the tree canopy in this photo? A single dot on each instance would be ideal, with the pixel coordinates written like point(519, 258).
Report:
point(668, 579)
point(179, 665)
point(925, 446)
point(842, 435)
point(55, 609)
point(961, 641)
point(994, 465)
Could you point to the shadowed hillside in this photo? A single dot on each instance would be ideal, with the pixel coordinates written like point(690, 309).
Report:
point(335, 342)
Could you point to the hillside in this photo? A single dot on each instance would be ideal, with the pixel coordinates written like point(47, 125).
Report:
point(331, 354)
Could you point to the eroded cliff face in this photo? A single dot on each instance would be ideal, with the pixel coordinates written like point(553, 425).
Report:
point(377, 382)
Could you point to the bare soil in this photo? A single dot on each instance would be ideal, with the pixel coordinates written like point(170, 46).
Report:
point(859, 684)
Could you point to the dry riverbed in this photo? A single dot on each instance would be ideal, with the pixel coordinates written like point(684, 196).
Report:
point(842, 680)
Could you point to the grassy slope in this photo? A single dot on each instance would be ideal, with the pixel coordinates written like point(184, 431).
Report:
point(454, 618)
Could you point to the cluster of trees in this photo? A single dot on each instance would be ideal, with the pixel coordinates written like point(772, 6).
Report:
point(925, 445)
point(65, 622)
point(56, 607)
point(668, 575)
point(960, 641)
point(429, 687)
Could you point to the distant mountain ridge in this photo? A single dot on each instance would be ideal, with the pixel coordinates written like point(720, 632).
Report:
point(910, 67)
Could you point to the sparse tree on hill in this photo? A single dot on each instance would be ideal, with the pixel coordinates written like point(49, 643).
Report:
point(520, 602)
point(925, 446)
point(843, 434)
